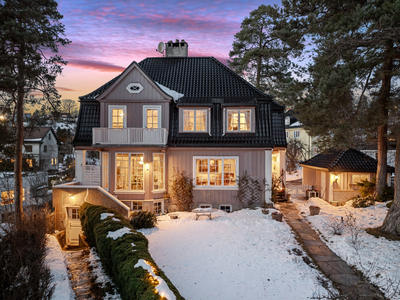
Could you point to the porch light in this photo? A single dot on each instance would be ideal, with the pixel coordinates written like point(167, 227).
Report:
point(72, 197)
point(336, 177)
point(147, 166)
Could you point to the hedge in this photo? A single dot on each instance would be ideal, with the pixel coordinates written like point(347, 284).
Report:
point(119, 256)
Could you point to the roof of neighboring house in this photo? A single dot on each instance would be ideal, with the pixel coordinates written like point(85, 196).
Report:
point(350, 160)
point(204, 81)
point(37, 134)
point(294, 123)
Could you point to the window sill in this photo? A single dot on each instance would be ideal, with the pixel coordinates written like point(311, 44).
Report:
point(219, 188)
point(129, 192)
point(158, 191)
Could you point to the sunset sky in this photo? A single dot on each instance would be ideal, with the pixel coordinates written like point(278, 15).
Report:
point(108, 35)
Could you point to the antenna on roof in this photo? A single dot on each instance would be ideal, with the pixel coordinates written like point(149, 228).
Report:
point(161, 48)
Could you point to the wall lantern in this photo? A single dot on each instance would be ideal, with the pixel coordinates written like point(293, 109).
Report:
point(147, 166)
point(336, 177)
point(72, 197)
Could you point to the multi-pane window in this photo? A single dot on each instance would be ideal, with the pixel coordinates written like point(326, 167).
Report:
point(75, 213)
point(157, 207)
point(117, 117)
point(215, 172)
point(158, 171)
point(152, 118)
point(358, 178)
point(137, 205)
point(28, 148)
point(195, 120)
point(54, 161)
point(129, 168)
point(287, 134)
point(7, 197)
point(44, 148)
point(227, 208)
point(105, 170)
point(296, 133)
point(239, 119)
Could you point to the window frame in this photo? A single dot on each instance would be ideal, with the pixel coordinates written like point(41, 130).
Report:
point(45, 148)
point(216, 187)
point(155, 210)
point(296, 134)
point(138, 204)
point(27, 147)
point(105, 168)
point(230, 207)
point(194, 120)
point(145, 108)
point(238, 110)
point(110, 120)
point(205, 205)
point(163, 175)
point(129, 191)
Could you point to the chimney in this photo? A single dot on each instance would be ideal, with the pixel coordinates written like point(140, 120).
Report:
point(176, 49)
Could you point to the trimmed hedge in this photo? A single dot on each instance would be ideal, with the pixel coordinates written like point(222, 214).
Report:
point(119, 257)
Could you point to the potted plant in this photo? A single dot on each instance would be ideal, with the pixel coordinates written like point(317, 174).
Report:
point(314, 210)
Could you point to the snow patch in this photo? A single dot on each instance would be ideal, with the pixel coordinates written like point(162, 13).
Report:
point(161, 288)
point(118, 233)
point(174, 94)
point(104, 216)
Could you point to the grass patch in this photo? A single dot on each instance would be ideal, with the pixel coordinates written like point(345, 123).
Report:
point(377, 232)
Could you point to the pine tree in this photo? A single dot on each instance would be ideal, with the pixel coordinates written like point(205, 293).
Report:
point(29, 34)
point(262, 48)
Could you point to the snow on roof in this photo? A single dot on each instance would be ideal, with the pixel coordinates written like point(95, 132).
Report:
point(174, 94)
point(32, 140)
point(296, 124)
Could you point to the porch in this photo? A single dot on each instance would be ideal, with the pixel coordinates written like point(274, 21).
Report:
point(130, 136)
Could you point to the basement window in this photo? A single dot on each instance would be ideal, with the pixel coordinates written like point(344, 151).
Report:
point(226, 207)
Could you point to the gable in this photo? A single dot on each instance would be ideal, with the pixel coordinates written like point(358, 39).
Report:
point(134, 85)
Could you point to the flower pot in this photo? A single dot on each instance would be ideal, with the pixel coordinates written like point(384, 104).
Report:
point(277, 216)
point(314, 210)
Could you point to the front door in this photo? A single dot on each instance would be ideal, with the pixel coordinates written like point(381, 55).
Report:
point(73, 226)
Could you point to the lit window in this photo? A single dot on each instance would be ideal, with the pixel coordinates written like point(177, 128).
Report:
point(137, 205)
point(117, 118)
point(29, 162)
point(157, 208)
point(239, 119)
point(152, 118)
point(216, 172)
point(226, 207)
point(358, 178)
point(195, 120)
point(7, 197)
point(158, 171)
point(105, 170)
point(130, 175)
point(296, 133)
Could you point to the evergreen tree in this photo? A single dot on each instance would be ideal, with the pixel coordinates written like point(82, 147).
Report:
point(261, 50)
point(29, 34)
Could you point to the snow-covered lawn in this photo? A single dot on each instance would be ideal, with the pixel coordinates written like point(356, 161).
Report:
point(378, 258)
point(240, 255)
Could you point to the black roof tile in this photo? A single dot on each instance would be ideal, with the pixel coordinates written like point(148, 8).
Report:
point(89, 117)
point(350, 160)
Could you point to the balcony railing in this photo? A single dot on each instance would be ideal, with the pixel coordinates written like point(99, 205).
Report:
point(130, 136)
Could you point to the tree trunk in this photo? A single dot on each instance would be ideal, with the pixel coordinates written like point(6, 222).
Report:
point(383, 101)
point(18, 184)
point(391, 223)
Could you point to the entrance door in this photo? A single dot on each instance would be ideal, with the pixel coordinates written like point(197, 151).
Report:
point(73, 226)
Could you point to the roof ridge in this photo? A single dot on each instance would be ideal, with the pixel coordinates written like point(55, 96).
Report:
point(336, 160)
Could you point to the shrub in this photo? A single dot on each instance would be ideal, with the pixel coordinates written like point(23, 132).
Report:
point(181, 190)
point(143, 219)
point(249, 190)
point(389, 204)
point(23, 272)
point(367, 188)
point(359, 202)
point(387, 194)
point(122, 256)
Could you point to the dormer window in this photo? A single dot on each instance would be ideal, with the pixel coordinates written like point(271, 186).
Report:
point(239, 119)
point(287, 121)
point(195, 120)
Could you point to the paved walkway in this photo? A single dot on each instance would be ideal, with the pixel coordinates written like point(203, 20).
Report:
point(330, 264)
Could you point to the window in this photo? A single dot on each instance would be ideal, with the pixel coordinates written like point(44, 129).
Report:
point(287, 121)
point(49, 137)
point(287, 134)
point(315, 150)
point(45, 148)
point(195, 120)
point(74, 213)
point(54, 161)
point(7, 197)
point(117, 116)
point(157, 208)
point(226, 207)
point(205, 205)
point(105, 169)
point(239, 119)
point(137, 205)
point(129, 169)
point(158, 171)
point(151, 116)
point(358, 178)
point(216, 172)
point(28, 148)
point(29, 162)
point(296, 133)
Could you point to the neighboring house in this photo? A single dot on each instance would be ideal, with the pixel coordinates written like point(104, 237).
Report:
point(42, 145)
point(191, 114)
point(295, 131)
point(372, 150)
point(334, 175)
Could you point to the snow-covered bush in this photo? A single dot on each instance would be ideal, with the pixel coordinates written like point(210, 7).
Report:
point(124, 254)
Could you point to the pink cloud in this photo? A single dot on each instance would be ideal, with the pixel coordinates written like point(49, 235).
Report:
point(64, 89)
point(95, 65)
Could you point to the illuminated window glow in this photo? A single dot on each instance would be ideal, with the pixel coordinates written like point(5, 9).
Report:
point(239, 119)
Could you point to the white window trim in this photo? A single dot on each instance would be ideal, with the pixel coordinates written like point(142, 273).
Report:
point(159, 190)
point(108, 170)
point(230, 205)
point(294, 134)
point(195, 109)
point(207, 205)
point(110, 108)
point(145, 108)
point(207, 187)
point(129, 175)
point(162, 205)
point(238, 110)
point(135, 202)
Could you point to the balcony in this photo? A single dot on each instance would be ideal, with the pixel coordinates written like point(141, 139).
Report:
point(130, 136)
